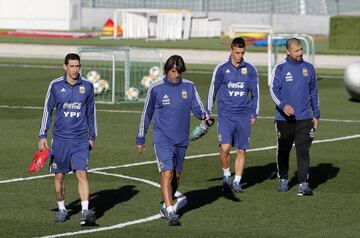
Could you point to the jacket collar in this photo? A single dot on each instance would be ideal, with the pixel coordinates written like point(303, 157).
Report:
point(78, 81)
point(242, 63)
point(166, 80)
point(291, 61)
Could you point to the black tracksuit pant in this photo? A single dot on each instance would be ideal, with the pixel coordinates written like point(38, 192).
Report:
point(302, 133)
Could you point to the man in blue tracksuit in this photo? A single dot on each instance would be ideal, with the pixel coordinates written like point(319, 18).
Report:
point(170, 101)
point(74, 132)
point(235, 84)
point(294, 90)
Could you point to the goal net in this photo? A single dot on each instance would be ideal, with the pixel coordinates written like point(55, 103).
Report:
point(120, 74)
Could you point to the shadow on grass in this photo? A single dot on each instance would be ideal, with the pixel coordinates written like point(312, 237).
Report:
point(255, 174)
point(103, 200)
point(258, 174)
point(354, 100)
point(318, 175)
point(199, 198)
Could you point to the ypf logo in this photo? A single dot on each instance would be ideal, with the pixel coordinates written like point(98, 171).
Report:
point(72, 114)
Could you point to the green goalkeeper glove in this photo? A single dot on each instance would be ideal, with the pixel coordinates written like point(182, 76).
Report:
point(202, 129)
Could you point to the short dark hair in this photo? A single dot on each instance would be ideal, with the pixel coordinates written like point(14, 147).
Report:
point(238, 42)
point(71, 56)
point(292, 41)
point(177, 61)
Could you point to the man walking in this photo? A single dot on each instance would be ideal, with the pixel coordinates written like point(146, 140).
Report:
point(74, 133)
point(235, 84)
point(294, 90)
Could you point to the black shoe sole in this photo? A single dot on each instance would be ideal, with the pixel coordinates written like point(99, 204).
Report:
point(305, 194)
point(174, 222)
point(90, 221)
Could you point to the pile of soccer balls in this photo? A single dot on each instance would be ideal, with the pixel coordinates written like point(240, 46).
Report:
point(100, 85)
point(132, 94)
point(153, 77)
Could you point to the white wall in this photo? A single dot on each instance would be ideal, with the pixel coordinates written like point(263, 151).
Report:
point(282, 23)
point(40, 14)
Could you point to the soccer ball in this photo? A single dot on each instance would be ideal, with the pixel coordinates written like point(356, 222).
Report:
point(157, 79)
point(104, 85)
point(93, 76)
point(147, 81)
point(98, 87)
point(154, 71)
point(352, 80)
point(132, 94)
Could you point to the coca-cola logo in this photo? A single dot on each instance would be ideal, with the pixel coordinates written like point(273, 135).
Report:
point(72, 105)
point(236, 85)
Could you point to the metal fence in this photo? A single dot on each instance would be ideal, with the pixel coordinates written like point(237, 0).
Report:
point(306, 7)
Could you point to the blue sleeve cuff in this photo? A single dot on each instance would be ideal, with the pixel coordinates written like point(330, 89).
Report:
point(140, 140)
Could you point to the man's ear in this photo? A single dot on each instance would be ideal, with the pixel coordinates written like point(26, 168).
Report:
point(65, 67)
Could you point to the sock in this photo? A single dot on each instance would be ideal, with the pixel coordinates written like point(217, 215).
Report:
point(237, 178)
point(227, 172)
point(85, 205)
point(170, 209)
point(61, 205)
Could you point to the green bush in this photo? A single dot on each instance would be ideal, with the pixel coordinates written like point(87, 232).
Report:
point(345, 32)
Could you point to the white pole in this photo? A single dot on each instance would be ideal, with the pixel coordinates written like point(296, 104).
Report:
point(113, 81)
point(302, 7)
point(269, 49)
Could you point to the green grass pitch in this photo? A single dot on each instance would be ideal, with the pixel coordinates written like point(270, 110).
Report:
point(127, 203)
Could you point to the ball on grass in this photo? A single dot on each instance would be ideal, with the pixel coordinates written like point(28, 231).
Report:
point(352, 80)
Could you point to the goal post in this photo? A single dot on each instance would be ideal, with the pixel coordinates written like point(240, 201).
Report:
point(234, 29)
point(120, 74)
point(272, 49)
point(308, 45)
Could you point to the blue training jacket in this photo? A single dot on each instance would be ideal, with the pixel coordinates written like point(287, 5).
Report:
point(75, 116)
point(236, 89)
point(170, 104)
point(294, 83)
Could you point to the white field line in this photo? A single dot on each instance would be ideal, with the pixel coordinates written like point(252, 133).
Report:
point(95, 170)
point(321, 119)
point(129, 177)
point(217, 153)
point(117, 226)
point(139, 112)
point(120, 225)
point(158, 216)
point(154, 217)
point(25, 178)
point(31, 66)
point(188, 71)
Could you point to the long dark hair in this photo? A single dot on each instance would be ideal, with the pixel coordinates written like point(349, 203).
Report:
point(177, 61)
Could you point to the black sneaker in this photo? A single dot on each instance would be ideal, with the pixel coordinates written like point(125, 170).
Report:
point(87, 218)
point(173, 219)
point(226, 187)
point(61, 215)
